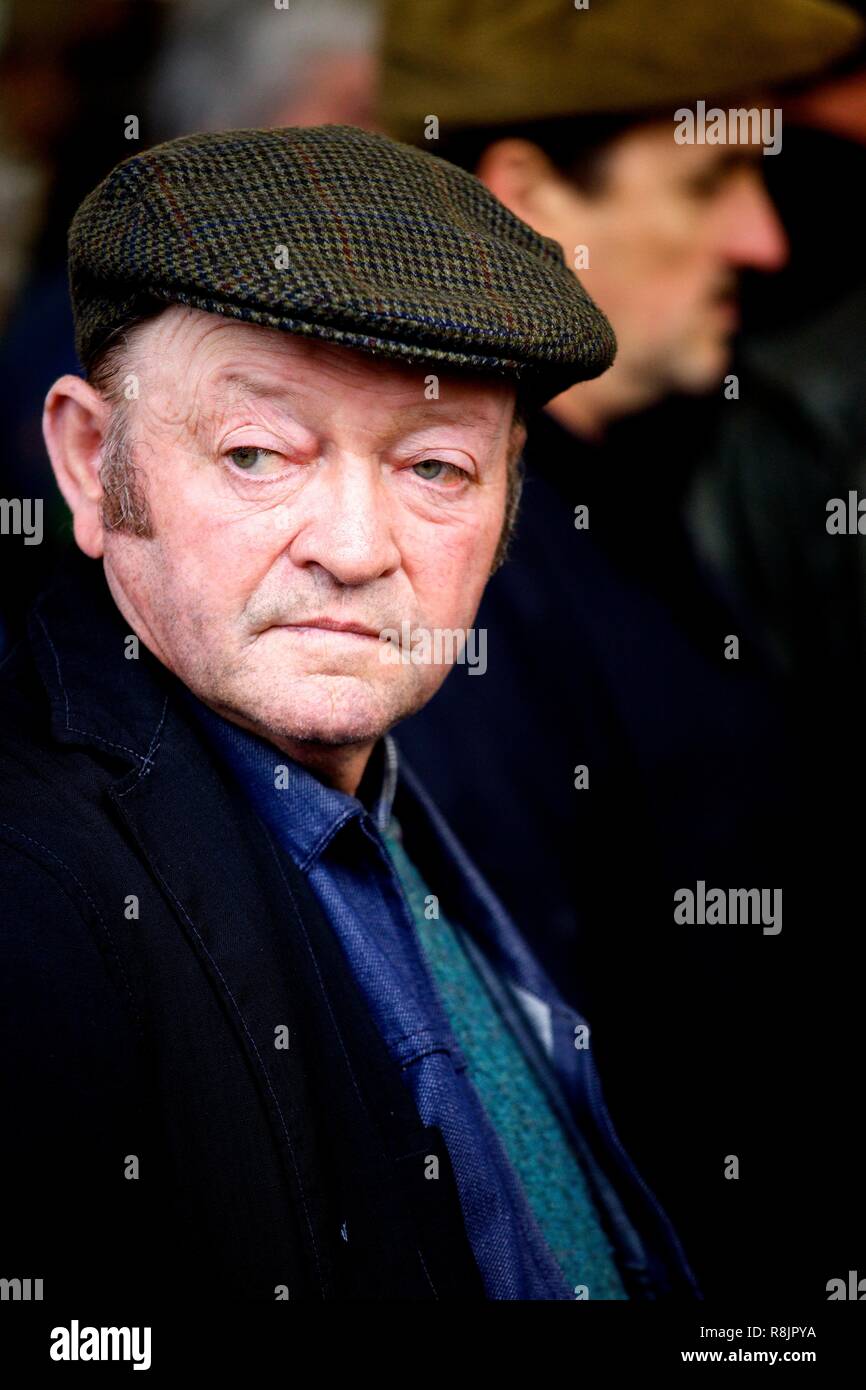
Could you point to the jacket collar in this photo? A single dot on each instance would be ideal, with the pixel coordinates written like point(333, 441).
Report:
point(105, 689)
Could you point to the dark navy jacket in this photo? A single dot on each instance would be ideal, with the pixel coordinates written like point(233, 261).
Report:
point(155, 937)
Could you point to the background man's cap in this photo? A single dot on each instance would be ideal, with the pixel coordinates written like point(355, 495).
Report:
point(334, 233)
point(480, 62)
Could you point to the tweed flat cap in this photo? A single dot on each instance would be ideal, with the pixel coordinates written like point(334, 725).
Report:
point(479, 62)
point(333, 233)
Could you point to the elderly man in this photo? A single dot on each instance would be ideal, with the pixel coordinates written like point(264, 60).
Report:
point(660, 745)
point(267, 1033)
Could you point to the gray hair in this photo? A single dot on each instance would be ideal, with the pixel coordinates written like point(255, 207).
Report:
point(230, 66)
point(124, 500)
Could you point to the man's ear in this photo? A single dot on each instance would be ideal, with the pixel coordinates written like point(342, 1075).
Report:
point(517, 437)
point(522, 177)
point(74, 422)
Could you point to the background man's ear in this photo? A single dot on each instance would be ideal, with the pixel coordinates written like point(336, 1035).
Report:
point(522, 177)
point(514, 170)
point(74, 421)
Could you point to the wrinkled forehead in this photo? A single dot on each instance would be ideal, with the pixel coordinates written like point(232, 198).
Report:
point(191, 361)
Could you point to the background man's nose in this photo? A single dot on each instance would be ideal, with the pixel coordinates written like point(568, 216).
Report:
point(348, 527)
point(754, 237)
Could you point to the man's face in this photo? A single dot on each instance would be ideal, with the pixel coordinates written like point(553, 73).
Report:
point(293, 485)
point(668, 231)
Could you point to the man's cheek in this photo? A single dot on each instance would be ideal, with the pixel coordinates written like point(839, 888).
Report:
point(445, 570)
point(478, 554)
point(207, 555)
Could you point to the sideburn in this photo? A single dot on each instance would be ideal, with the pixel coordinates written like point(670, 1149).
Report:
point(124, 501)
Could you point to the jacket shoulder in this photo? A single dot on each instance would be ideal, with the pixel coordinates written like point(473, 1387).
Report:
point(43, 783)
point(55, 839)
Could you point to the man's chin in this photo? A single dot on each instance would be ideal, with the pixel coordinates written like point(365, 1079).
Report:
point(703, 368)
point(332, 711)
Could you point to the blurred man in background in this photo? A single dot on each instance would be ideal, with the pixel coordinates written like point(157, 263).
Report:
point(805, 337)
point(653, 740)
point(308, 64)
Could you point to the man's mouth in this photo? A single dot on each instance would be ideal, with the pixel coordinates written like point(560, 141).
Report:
point(311, 625)
point(726, 303)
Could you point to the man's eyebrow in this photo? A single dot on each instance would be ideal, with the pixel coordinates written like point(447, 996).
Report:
point(740, 154)
point(265, 387)
point(423, 414)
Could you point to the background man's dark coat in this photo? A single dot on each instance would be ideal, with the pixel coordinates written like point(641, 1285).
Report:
point(606, 648)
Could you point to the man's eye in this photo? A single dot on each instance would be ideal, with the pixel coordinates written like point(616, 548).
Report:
point(705, 184)
point(248, 456)
point(431, 469)
point(710, 181)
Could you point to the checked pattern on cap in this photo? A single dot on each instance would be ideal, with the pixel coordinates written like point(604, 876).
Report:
point(334, 233)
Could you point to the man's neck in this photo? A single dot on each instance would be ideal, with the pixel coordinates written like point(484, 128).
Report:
point(590, 408)
point(578, 413)
point(341, 767)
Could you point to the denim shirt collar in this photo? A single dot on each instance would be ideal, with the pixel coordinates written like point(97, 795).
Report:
point(307, 812)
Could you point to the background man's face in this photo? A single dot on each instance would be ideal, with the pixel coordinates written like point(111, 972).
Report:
point(668, 231)
point(289, 482)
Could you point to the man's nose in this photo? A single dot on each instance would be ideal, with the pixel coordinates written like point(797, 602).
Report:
point(347, 525)
point(752, 235)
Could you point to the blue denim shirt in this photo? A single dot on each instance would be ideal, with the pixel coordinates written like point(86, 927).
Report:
point(336, 841)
